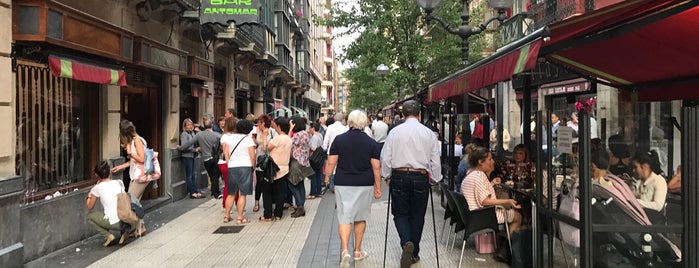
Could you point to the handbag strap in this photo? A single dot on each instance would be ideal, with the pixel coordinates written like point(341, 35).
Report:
point(236, 146)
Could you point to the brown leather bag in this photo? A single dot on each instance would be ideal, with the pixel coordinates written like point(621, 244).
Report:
point(124, 211)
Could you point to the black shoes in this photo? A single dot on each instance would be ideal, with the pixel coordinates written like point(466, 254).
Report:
point(299, 212)
point(406, 259)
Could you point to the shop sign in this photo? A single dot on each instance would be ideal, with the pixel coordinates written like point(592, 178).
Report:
point(565, 140)
point(567, 88)
point(224, 11)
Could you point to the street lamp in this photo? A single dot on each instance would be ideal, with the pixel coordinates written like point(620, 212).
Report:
point(464, 30)
point(382, 71)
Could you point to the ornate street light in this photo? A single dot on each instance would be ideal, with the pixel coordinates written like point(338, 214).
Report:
point(382, 71)
point(464, 30)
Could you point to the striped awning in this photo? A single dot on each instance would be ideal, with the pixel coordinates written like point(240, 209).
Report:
point(70, 68)
point(510, 60)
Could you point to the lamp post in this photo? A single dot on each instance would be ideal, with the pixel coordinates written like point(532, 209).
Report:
point(382, 71)
point(464, 30)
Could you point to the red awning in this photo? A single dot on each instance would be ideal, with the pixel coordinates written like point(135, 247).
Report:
point(502, 65)
point(69, 68)
point(647, 45)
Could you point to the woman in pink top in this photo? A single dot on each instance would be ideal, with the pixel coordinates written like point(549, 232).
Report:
point(280, 152)
point(479, 192)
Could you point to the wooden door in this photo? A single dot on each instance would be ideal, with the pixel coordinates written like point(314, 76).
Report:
point(142, 106)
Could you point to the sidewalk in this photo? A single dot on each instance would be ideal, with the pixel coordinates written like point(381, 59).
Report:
point(311, 241)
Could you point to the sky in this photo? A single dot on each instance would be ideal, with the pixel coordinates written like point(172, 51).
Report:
point(341, 42)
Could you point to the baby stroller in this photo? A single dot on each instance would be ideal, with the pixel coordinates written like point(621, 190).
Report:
point(615, 203)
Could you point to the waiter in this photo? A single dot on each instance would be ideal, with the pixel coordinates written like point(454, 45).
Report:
point(410, 158)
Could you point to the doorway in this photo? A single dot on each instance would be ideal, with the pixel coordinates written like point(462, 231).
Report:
point(141, 106)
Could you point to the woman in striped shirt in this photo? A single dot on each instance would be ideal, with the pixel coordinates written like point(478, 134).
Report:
point(479, 192)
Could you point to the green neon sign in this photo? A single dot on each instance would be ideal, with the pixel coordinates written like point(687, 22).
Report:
point(226, 12)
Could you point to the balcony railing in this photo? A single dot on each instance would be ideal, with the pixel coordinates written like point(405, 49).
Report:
point(548, 12)
point(253, 33)
point(514, 28)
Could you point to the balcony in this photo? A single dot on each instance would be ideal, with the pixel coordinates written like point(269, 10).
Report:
point(515, 28)
point(548, 12)
point(327, 81)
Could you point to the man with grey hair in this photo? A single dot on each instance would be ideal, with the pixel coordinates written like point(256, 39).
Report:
point(333, 130)
point(210, 147)
point(410, 159)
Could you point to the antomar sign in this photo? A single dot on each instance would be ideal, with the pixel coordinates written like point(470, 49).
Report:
point(226, 12)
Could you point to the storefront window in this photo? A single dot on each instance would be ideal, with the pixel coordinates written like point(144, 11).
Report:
point(52, 136)
point(637, 145)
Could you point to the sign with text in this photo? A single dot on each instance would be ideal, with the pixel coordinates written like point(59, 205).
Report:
point(565, 140)
point(225, 12)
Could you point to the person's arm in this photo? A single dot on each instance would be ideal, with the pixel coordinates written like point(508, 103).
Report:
point(251, 152)
point(330, 167)
point(386, 158)
point(91, 200)
point(375, 167)
point(675, 184)
point(139, 155)
point(186, 142)
point(326, 140)
point(507, 203)
point(224, 149)
point(271, 145)
point(435, 163)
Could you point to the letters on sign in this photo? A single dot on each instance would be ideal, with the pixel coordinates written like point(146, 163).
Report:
point(225, 12)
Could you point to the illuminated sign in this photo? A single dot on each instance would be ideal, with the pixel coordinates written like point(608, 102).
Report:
point(227, 12)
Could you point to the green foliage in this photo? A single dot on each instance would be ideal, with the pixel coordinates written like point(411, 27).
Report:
point(394, 33)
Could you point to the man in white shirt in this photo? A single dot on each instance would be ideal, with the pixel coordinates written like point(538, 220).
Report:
point(334, 129)
point(380, 130)
point(411, 159)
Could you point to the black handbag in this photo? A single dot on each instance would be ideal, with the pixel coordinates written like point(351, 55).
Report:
point(317, 158)
point(265, 164)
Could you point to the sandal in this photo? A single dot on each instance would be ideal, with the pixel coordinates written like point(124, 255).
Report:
point(311, 197)
point(360, 255)
point(242, 221)
point(256, 208)
point(226, 219)
point(345, 261)
point(263, 219)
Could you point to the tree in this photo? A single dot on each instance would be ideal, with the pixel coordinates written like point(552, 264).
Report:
point(392, 32)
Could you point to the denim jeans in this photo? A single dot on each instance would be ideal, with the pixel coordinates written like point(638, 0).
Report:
point(316, 183)
point(298, 191)
point(189, 175)
point(409, 194)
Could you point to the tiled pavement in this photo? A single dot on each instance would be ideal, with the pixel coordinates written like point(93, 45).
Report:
point(310, 241)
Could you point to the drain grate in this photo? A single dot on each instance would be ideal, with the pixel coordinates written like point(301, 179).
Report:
point(228, 229)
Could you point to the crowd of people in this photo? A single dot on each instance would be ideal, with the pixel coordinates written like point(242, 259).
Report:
point(360, 152)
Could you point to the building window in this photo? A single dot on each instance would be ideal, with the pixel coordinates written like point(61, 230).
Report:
point(54, 148)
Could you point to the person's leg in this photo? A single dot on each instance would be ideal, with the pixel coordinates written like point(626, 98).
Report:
point(400, 207)
point(214, 175)
point(99, 223)
point(137, 188)
point(267, 195)
point(359, 228)
point(279, 189)
point(229, 204)
point(259, 181)
point(344, 231)
point(315, 184)
point(418, 207)
point(289, 196)
point(188, 163)
point(245, 189)
point(223, 168)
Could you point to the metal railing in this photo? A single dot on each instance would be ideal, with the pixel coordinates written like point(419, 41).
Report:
point(547, 12)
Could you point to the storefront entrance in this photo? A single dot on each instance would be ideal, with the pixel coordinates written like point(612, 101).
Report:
point(141, 105)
